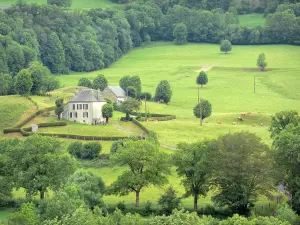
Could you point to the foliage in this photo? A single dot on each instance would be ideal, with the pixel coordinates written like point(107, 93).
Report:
point(192, 165)
point(287, 160)
point(120, 143)
point(100, 82)
point(285, 213)
point(131, 81)
point(23, 82)
point(202, 110)
point(261, 61)
point(180, 34)
point(84, 82)
point(75, 148)
point(107, 111)
point(163, 92)
point(60, 3)
point(88, 186)
point(225, 46)
point(146, 166)
point(6, 84)
point(59, 107)
point(241, 165)
point(44, 165)
point(202, 79)
point(146, 95)
point(169, 201)
point(131, 92)
point(130, 105)
point(281, 120)
point(27, 215)
point(91, 150)
point(40, 76)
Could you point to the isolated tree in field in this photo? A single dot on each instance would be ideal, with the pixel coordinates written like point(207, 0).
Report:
point(169, 201)
point(225, 46)
point(163, 92)
point(146, 166)
point(129, 106)
point(45, 164)
point(107, 111)
point(23, 82)
point(261, 61)
point(242, 169)
point(60, 3)
point(91, 150)
point(84, 82)
point(180, 34)
point(89, 187)
point(202, 110)
point(281, 120)
point(59, 107)
point(287, 155)
point(40, 76)
point(192, 165)
point(100, 82)
point(202, 79)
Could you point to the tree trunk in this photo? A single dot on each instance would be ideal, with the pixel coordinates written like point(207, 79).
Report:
point(195, 202)
point(106, 119)
point(58, 116)
point(42, 195)
point(137, 198)
point(198, 93)
point(127, 116)
point(201, 121)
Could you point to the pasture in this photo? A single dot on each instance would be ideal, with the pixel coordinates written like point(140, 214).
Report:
point(76, 4)
point(252, 20)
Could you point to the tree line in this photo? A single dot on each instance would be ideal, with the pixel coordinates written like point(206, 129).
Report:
point(93, 39)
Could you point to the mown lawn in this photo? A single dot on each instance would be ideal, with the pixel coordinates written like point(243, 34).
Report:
point(252, 20)
point(76, 4)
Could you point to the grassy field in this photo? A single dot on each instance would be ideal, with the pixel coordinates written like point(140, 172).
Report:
point(77, 4)
point(230, 87)
point(13, 109)
point(252, 20)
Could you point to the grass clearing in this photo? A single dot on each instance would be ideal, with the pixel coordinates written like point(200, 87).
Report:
point(252, 20)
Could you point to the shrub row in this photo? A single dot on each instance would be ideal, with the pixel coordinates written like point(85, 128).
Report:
point(10, 130)
point(28, 129)
point(21, 124)
point(136, 122)
point(165, 118)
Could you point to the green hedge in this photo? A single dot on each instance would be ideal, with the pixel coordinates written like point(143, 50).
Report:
point(11, 130)
point(159, 117)
point(21, 124)
point(136, 122)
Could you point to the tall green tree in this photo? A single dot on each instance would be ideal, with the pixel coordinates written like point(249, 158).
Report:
point(282, 119)
point(60, 3)
point(287, 155)
point(59, 107)
point(107, 111)
point(100, 82)
point(202, 110)
point(15, 58)
point(192, 165)
point(44, 164)
point(6, 83)
point(23, 82)
point(225, 46)
point(146, 166)
point(180, 34)
point(129, 106)
point(242, 169)
point(40, 76)
point(261, 61)
point(202, 79)
point(28, 215)
point(163, 92)
point(169, 201)
point(133, 81)
point(84, 82)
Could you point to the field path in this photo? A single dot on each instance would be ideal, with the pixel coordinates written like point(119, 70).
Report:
point(205, 68)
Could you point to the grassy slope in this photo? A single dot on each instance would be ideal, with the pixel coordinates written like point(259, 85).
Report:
point(78, 4)
point(230, 87)
point(12, 109)
point(252, 20)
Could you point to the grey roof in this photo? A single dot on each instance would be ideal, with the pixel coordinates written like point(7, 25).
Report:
point(88, 95)
point(117, 90)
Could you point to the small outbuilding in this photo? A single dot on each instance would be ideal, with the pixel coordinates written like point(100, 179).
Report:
point(34, 128)
point(115, 94)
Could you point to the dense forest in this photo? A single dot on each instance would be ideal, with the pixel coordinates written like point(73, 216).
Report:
point(65, 41)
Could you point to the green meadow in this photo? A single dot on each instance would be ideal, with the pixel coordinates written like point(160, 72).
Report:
point(252, 20)
point(76, 4)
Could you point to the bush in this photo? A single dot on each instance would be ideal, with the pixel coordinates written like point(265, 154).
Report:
point(146, 95)
point(147, 211)
point(11, 130)
point(75, 149)
point(169, 201)
point(121, 206)
point(91, 150)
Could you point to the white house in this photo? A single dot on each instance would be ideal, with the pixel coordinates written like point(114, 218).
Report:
point(85, 107)
point(114, 93)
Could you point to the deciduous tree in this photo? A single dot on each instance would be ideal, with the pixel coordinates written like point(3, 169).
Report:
point(100, 82)
point(59, 107)
point(163, 92)
point(202, 79)
point(85, 82)
point(225, 46)
point(202, 110)
point(107, 111)
point(261, 61)
point(23, 82)
point(129, 106)
point(6, 83)
point(145, 166)
point(180, 34)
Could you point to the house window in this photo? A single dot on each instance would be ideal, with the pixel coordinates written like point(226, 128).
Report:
point(70, 115)
point(74, 106)
point(85, 106)
point(75, 114)
point(79, 106)
point(85, 115)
